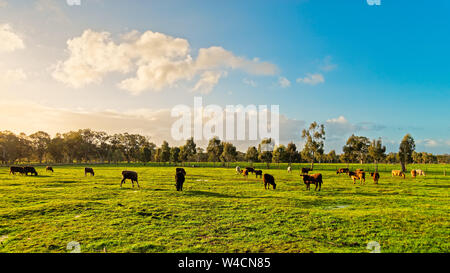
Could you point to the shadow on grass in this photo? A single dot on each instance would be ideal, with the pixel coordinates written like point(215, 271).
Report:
point(436, 186)
point(211, 194)
point(65, 182)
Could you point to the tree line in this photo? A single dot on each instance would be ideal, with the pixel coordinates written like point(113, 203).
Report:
point(95, 146)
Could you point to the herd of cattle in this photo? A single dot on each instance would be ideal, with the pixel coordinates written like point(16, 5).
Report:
point(269, 180)
point(316, 179)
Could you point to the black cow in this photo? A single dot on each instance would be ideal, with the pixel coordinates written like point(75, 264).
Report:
point(133, 176)
point(258, 173)
point(30, 170)
point(306, 170)
point(269, 180)
point(13, 170)
point(49, 169)
point(179, 180)
point(250, 169)
point(181, 170)
point(89, 170)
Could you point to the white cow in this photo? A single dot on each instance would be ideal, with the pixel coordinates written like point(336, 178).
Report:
point(238, 170)
point(289, 169)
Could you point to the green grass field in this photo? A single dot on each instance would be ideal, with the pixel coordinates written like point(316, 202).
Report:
point(219, 211)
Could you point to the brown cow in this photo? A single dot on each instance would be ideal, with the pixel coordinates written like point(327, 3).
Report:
point(413, 173)
point(245, 173)
point(315, 179)
point(398, 173)
point(133, 176)
point(269, 180)
point(342, 170)
point(49, 169)
point(258, 173)
point(376, 177)
point(358, 175)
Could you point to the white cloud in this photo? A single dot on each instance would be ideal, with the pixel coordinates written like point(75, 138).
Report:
point(283, 82)
point(327, 64)
point(217, 57)
point(433, 143)
point(312, 79)
point(207, 81)
point(158, 60)
point(3, 3)
point(9, 41)
point(340, 126)
point(252, 83)
point(11, 77)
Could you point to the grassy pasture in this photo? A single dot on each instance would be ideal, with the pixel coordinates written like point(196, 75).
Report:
point(220, 211)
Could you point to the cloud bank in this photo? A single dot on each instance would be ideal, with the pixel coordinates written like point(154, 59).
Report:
point(150, 61)
point(9, 40)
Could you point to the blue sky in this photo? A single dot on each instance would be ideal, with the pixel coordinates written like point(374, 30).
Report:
point(379, 71)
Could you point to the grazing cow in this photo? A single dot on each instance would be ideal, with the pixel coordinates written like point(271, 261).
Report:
point(306, 170)
point(289, 169)
point(13, 170)
point(245, 173)
point(133, 176)
point(315, 179)
point(89, 170)
point(342, 170)
point(269, 180)
point(250, 169)
point(181, 170)
point(258, 173)
point(238, 170)
point(358, 175)
point(179, 180)
point(398, 173)
point(420, 172)
point(376, 177)
point(413, 173)
point(29, 170)
point(49, 169)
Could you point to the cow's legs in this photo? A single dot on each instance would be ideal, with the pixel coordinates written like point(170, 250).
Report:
point(138, 184)
point(123, 181)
